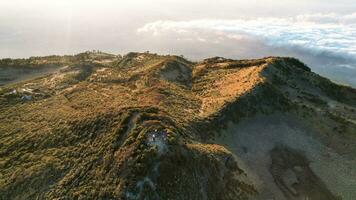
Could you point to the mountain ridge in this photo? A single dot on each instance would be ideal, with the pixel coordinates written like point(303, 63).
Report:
point(86, 130)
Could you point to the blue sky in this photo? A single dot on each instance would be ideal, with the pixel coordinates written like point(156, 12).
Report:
point(319, 33)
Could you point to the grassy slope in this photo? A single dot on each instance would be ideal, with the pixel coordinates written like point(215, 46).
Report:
point(84, 132)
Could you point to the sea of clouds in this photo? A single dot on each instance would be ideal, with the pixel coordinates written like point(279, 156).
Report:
point(327, 42)
point(236, 29)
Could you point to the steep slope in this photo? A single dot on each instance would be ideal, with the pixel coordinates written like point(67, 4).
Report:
point(146, 126)
point(310, 117)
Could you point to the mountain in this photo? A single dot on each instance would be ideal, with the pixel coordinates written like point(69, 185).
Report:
point(148, 126)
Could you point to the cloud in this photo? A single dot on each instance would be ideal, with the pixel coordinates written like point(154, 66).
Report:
point(326, 42)
point(331, 18)
point(317, 33)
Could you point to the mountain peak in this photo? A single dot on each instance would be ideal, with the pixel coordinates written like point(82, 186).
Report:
point(142, 125)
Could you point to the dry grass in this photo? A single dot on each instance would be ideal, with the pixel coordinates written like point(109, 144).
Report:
point(77, 138)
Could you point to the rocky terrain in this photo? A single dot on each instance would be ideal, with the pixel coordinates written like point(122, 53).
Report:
point(148, 126)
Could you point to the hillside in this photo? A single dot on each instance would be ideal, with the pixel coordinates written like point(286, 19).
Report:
point(148, 126)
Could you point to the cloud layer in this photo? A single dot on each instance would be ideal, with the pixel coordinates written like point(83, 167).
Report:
point(317, 33)
point(326, 42)
point(229, 28)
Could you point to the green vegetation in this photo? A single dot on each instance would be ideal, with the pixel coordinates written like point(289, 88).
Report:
point(84, 133)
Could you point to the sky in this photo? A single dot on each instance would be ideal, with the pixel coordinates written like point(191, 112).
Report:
point(321, 34)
